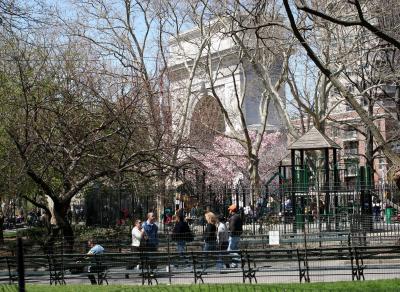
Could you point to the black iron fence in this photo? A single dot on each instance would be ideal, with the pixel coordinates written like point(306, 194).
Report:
point(280, 197)
point(353, 230)
point(250, 265)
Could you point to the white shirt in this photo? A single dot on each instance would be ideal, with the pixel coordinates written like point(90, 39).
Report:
point(136, 236)
point(97, 249)
point(222, 233)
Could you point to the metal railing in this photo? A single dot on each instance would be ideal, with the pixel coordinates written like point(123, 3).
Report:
point(262, 265)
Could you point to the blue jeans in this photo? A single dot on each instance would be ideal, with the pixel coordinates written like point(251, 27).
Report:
point(233, 243)
point(208, 246)
point(180, 247)
point(222, 257)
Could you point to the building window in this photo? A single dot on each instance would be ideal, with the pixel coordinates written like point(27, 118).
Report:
point(396, 146)
point(348, 106)
point(349, 134)
point(350, 88)
point(350, 149)
point(252, 106)
point(364, 101)
point(335, 132)
point(381, 163)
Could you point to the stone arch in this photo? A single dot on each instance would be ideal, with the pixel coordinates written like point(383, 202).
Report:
point(207, 120)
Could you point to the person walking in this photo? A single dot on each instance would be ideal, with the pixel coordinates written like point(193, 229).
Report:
point(138, 236)
point(210, 232)
point(222, 233)
point(181, 233)
point(138, 241)
point(222, 239)
point(236, 230)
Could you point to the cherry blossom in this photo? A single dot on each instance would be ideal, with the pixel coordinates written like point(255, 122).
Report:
point(227, 159)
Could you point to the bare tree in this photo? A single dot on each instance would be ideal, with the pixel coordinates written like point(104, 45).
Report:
point(69, 124)
point(134, 35)
point(333, 73)
point(238, 72)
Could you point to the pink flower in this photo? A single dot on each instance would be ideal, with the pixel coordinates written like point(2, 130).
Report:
point(228, 158)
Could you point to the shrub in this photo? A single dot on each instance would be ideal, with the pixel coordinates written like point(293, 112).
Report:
point(84, 233)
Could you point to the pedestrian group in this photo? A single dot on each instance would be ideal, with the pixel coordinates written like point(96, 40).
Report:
point(219, 234)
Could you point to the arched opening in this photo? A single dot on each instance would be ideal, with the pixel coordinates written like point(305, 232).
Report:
point(207, 121)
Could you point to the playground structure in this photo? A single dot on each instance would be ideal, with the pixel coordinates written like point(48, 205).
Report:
point(309, 193)
point(310, 189)
point(313, 188)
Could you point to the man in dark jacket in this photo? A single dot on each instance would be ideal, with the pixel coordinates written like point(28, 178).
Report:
point(236, 229)
point(181, 233)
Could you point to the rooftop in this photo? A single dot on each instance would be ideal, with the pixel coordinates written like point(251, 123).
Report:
point(313, 140)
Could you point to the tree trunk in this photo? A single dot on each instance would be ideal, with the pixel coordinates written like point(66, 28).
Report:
point(1, 228)
point(397, 100)
point(47, 221)
point(397, 178)
point(369, 153)
point(161, 194)
point(61, 214)
point(255, 183)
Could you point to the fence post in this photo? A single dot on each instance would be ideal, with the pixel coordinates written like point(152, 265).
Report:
point(20, 265)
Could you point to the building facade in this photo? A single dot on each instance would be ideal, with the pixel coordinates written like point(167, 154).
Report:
point(208, 76)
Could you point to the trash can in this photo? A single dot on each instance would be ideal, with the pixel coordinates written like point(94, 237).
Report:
point(389, 214)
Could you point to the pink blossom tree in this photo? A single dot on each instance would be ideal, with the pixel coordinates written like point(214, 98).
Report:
point(228, 159)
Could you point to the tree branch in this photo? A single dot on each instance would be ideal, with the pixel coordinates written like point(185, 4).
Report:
point(364, 23)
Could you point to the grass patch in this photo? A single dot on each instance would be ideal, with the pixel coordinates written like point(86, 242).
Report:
point(365, 286)
point(10, 233)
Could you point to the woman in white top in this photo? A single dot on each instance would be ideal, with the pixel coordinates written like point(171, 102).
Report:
point(222, 241)
point(138, 236)
point(222, 234)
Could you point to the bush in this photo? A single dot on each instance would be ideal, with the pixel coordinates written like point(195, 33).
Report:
point(84, 233)
point(33, 235)
point(32, 239)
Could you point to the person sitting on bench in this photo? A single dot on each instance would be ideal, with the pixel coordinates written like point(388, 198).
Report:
point(95, 249)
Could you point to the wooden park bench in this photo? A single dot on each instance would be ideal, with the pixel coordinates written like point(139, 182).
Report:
point(64, 266)
point(353, 260)
point(326, 238)
point(8, 269)
point(334, 260)
point(223, 262)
